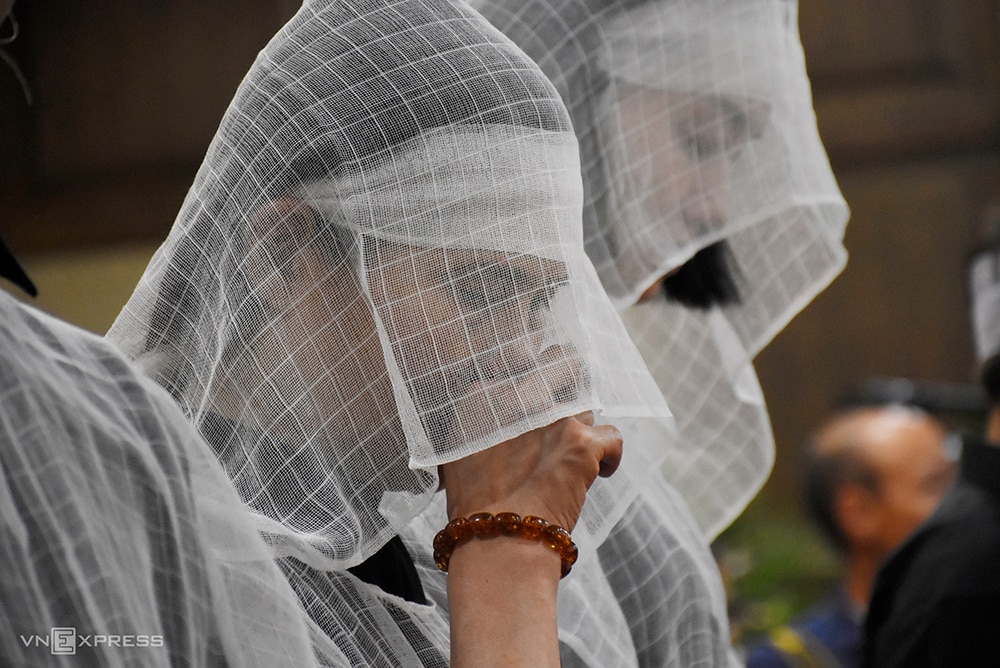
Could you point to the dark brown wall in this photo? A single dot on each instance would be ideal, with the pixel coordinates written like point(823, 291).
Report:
point(907, 94)
point(127, 96)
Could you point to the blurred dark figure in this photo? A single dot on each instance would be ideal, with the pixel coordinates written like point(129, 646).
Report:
point(871, 476)
point(936, 602)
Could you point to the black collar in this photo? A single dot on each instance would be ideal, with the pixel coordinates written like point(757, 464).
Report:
point(981, 464)
point(13, 272)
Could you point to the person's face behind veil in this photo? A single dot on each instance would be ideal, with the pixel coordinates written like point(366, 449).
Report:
point(470, 330)
point(679, 149)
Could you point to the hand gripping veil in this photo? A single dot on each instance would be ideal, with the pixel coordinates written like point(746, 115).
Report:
point(702, 163)
point(380, 268)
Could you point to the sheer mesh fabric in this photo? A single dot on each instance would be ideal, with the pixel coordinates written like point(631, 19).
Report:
point(380, 268)
point(984, 296)
point(696, 130)
point(118, 528)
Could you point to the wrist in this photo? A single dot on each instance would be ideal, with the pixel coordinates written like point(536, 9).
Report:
point(486, 527)
point(502, 595)
point(507, 558)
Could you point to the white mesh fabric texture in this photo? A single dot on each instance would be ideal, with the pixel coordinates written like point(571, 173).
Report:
point(696, 127)
point(984, 294)
point(117, 526)
point(380, 268)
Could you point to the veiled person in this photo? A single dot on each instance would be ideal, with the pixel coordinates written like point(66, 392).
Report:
point(705, 182)
point(379, 274)
point(712, 217)
point(122, 541)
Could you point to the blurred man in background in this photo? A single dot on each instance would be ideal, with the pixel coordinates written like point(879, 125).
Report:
point(936, 602)
point(872, 475)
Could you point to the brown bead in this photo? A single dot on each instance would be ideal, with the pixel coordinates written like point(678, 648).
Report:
point(486, 525)
point(557, 538)
point(508, 523)
point(483, 524)
point(532, 527)
point(459, 529)
point(444, 542)
point(570, 554)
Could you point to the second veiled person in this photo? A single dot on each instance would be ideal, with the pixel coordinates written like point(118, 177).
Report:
point(711, 212)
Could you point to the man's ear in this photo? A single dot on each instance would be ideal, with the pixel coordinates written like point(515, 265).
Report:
point(856, 509)
point(993, 425)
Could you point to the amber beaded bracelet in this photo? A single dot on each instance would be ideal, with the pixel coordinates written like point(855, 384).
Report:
point(487, 525)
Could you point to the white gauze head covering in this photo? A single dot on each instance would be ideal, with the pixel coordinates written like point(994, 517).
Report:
point(379, 269)
point(984, 290)
point(701, 159)
point(122, 542)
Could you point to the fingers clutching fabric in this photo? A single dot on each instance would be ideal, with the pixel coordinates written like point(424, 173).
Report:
point(545, 472)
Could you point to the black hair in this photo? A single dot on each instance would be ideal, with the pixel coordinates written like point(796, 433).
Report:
point(708, 279)
point(825, 474)
point(989, 377)
point(12, 270)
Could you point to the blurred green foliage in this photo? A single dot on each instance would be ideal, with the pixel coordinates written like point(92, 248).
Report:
point(775, 565)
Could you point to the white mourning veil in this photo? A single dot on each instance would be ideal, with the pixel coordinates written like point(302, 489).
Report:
point(122, 542)
point(697, 138)
point(380, 268)
point(984, 296)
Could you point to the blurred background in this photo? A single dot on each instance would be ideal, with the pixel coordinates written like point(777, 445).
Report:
point(125, 96)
